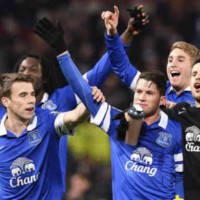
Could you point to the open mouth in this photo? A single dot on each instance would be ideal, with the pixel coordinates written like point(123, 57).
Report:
point(30, 109)
point(197, 86)
point(175, 73)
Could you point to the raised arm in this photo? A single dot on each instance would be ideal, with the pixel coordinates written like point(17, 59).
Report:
point(53, 35)
point(118, 57)
point(138, 19)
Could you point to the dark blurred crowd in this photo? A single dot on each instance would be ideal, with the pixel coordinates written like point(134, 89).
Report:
point(170, 20)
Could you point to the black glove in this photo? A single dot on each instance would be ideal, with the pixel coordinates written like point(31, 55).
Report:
point(141, 19)
point(135, 112)
point(53, 35)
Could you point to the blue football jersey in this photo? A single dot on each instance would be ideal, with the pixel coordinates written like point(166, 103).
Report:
point(146, 170)
point(129, 75)
point(2, 111)
point(29, 163)
point(64, 99)
point(143, 171)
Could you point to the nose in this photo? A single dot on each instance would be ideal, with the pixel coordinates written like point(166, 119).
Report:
point(26, 72)
point(173, 63)
point(142, 97)
point(31, 99)
point(198, 76)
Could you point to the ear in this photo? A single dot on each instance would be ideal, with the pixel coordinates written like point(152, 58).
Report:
point(162, 100)
point(5, 101)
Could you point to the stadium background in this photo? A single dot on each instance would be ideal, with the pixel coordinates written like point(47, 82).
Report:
point(170, 20)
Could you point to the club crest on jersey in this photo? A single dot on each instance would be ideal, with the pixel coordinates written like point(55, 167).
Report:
point(49, 105)
point(164, 139)
point(34, 138)
point(22, 170)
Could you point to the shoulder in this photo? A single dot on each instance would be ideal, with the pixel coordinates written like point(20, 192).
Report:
point(61, 90)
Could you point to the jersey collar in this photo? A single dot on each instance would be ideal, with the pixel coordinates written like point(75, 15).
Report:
point(163, 120)
point(172, 89)
point(32, 125)
point(45, 97)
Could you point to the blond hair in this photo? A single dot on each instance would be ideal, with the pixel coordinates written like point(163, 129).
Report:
point(188, 48)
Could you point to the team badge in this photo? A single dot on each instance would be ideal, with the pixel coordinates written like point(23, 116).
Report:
point(164, 139)
point(49, 105)
point(34, 138)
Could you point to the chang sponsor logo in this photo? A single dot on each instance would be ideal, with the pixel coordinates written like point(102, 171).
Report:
point(192, 139)
point(141, 161)
point(22, 170)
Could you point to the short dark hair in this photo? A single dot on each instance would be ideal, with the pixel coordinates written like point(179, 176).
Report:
point(7, 80)
point(197, 61)
point(158, 78)
point(51, 75)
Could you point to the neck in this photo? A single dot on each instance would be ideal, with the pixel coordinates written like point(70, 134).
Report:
point(179, 90)
point(197, 104)
point(153, 118)
point(15, 125)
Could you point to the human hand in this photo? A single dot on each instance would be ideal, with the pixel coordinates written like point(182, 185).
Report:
point(111, 20)
point(169, 104)
point(135, 112)
point(139, 19)
point(97, 94)
point(53, 35)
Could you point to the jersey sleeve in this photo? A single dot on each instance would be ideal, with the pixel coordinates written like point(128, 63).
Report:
point(99, 73)
point(77, 82)
point(60, 127)
point(120, 62)
point(178, 152)
point(65, 99)
point(178, 159)
point(102, 69)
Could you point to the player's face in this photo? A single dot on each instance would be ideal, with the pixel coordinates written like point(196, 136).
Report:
point(21, 104)
point(148, 97)
point(195, 82)
point(179, 67)
point(32, 66)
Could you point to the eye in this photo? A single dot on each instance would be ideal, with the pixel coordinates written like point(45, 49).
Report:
point(181, 60)
point(21, 70)
point(194, 74)
point(169, 60)
point(23, 94)
point(149, 93)
point(34, 69)
point(33, 94)
point(138, 91)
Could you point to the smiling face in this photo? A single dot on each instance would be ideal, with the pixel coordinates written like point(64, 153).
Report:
point(195, 83)
point(179, 67)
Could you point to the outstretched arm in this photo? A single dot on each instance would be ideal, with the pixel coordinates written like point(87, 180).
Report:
point(53, 35)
